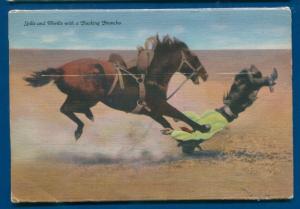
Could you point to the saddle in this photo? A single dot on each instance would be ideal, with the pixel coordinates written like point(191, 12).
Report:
point(145, 54)
point(144, 59)
point(142, 62)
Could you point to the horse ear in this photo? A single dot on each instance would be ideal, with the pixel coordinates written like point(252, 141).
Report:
point(167, 39)
point(157, 38)
point(170, 41)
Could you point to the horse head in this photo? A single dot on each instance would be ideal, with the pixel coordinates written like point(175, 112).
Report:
point(174, 55)
point(191, 67)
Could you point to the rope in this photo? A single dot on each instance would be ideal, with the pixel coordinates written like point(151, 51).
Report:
point(177, 89)
point(181, 85)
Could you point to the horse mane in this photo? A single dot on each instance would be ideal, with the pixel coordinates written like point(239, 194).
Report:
point(165, 46)
point(169, 44)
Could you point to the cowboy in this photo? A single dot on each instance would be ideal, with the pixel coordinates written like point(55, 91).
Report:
point(248, 82)
point(242, 94)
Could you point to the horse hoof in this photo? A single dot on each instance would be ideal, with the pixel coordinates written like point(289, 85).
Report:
point(78, 133)
point(202, 128)
point(91, 118)
point(205, 128)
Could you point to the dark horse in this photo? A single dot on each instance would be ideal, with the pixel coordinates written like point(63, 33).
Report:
point(88, 81)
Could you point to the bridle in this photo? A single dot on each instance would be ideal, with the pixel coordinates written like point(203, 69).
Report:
point(185, 61)
point(195, 72)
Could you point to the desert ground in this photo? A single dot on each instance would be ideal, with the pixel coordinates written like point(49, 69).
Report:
point(122, 156)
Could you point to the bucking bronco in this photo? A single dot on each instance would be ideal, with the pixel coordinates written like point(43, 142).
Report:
point(141, 89)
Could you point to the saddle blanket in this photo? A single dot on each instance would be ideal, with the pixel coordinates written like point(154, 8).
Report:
point(210, 117)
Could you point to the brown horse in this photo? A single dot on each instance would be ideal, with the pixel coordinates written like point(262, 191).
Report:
point(88, 81)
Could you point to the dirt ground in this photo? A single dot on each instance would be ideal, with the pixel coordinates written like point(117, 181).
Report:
point(122, 156)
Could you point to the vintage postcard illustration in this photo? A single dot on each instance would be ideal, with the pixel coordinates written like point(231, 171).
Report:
point(186, 104)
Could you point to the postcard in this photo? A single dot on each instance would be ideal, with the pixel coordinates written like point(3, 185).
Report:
point(171, 104)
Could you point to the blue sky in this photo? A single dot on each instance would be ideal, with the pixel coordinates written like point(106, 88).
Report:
point(200, 29)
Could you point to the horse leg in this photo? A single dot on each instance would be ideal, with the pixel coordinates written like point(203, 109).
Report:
point(158, 118)
point(169, 110)
point(88, 113)
point(68, 108)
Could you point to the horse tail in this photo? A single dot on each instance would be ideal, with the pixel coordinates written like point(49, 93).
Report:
point(42, 78)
